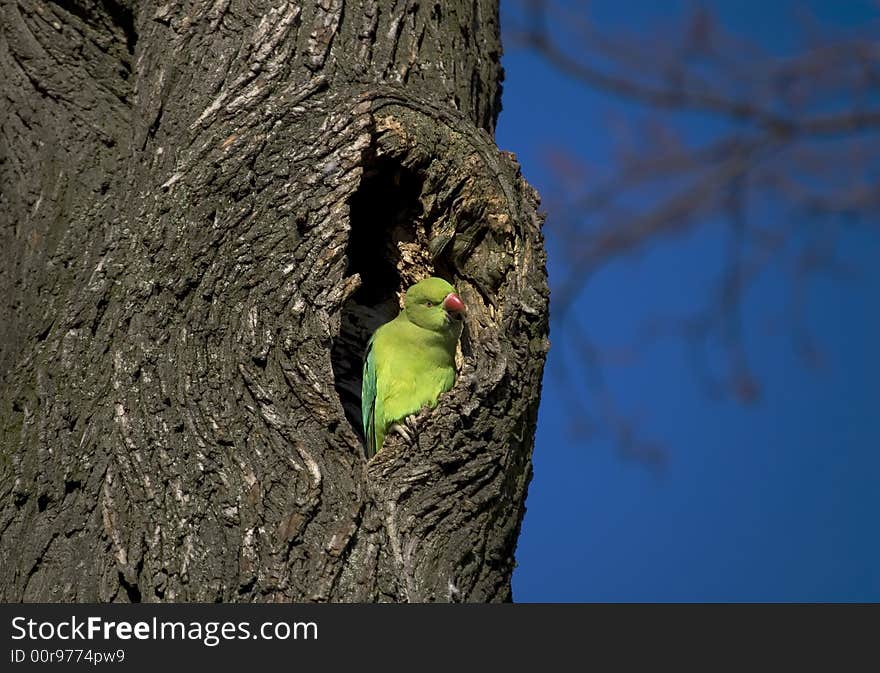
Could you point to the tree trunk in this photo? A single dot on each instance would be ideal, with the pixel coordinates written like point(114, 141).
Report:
point(206, 209)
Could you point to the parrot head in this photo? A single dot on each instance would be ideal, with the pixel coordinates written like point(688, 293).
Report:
point(433, 304)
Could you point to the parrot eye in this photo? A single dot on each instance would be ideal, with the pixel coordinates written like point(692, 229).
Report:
point(429, 304)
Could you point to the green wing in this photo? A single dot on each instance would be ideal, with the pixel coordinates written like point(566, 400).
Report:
point(368, 400)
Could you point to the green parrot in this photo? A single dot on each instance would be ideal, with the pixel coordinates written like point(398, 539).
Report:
point(410, 361)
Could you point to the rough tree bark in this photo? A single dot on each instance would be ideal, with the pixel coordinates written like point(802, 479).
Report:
point(206, 207)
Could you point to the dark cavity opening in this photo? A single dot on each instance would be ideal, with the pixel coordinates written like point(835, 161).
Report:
point(384, 212)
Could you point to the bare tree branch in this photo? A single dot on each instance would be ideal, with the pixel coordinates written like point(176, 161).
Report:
point(797, 141)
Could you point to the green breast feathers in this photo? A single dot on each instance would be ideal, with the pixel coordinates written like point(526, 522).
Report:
point(410, 361)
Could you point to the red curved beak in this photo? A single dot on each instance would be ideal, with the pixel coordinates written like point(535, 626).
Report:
point(453, 303)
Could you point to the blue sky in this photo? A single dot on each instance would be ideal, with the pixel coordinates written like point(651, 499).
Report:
point(775, 501)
